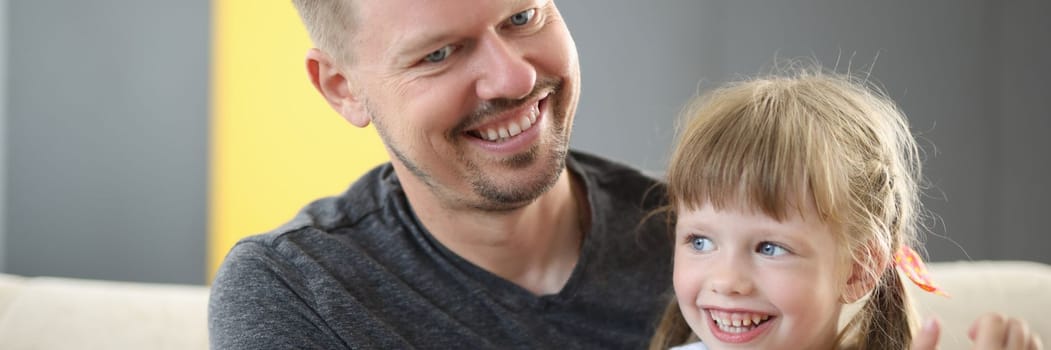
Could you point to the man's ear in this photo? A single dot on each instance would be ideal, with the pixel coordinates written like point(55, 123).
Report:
point(331, 81)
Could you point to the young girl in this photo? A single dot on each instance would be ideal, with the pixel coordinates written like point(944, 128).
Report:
point(792, 197)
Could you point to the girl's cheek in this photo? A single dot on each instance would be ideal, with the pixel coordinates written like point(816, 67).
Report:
point(687, 277)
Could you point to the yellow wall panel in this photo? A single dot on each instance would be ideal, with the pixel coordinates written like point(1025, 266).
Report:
point(275, 143)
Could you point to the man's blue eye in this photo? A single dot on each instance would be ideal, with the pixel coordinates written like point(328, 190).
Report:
point(771, 249)
point(701, 244)
point(439, 55)
point(523, 17)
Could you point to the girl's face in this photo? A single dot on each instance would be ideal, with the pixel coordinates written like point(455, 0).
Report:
point(745, 280)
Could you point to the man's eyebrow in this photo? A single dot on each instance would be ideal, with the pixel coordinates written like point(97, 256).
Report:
point(519, 3)
point(407, 46)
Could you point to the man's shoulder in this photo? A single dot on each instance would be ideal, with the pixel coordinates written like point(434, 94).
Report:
point(625, 202)
point(343, 214)
point(618, 180)
point(364, 198)
point(607, 168)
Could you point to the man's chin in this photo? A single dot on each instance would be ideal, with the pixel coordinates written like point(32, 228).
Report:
point(511, 196)
point(518, 180)
point(512, 192)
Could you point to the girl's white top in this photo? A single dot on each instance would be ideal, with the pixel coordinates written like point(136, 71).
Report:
point(690, 346)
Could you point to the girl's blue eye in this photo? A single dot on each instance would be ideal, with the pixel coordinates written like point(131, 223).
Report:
point(770, 249)
point(522, 18)
point(439, 55)
point(701, 244)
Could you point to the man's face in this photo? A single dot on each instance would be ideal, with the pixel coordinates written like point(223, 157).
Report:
point(473, 98)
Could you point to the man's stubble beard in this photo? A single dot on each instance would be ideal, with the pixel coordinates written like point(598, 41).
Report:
point(491, 195)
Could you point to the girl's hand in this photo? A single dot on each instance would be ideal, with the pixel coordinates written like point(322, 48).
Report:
point(927, 339)
point(995, 331)
point(991, 331)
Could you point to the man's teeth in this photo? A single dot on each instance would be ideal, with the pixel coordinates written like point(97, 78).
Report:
point(737, 322)
point(512, 128)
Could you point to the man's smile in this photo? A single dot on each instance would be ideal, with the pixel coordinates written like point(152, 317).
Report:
point(502, 129)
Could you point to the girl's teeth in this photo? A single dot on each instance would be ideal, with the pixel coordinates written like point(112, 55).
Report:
point(738, 322)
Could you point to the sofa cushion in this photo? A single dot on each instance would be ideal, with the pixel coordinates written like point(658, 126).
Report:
point(10, 286)
point(1014, 288)
point(62, 313)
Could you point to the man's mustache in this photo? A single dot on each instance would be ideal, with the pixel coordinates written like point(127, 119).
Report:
point(496, 106)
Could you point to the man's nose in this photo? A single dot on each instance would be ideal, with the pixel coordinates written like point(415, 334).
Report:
point(503, 70)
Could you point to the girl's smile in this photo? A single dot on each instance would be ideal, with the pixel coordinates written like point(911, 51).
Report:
point(737, 326)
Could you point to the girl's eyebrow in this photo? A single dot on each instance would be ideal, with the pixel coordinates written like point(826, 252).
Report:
point(696, 224)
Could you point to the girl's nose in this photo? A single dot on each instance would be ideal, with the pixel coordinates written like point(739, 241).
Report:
point(731, 276)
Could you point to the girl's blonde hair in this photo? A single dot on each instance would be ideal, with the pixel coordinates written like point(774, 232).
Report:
point(757, 143)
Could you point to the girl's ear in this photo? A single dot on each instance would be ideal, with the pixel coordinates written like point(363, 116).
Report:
point(862, 278)
point(331, 81)
point(859, 283)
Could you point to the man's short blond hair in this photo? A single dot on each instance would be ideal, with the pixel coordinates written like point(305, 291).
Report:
point(329, 23)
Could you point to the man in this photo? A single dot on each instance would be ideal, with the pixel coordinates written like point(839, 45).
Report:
point(484, 231)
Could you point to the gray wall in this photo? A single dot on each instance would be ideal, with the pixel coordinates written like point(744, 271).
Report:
point(970, 74)
point(3, 124)
point(107, 144)
point(106, 128)
point(1019, 194)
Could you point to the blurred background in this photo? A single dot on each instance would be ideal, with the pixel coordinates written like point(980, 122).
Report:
point(140, 139)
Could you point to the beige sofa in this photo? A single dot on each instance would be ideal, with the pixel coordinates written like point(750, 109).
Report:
point(1015, 288)
point(61, 313)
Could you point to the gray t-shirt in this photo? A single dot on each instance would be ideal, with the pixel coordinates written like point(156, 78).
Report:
point(359, 271)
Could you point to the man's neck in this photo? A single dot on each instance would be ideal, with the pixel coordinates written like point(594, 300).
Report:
point(536, 246)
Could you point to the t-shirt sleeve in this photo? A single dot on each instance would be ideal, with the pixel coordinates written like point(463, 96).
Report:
point(257, 302)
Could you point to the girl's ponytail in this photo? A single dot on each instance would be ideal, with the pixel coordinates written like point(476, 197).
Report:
point(885, 321)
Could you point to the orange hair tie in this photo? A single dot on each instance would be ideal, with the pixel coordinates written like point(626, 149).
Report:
point(910, 263)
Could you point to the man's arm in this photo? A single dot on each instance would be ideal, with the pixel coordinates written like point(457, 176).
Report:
point(258, 301)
